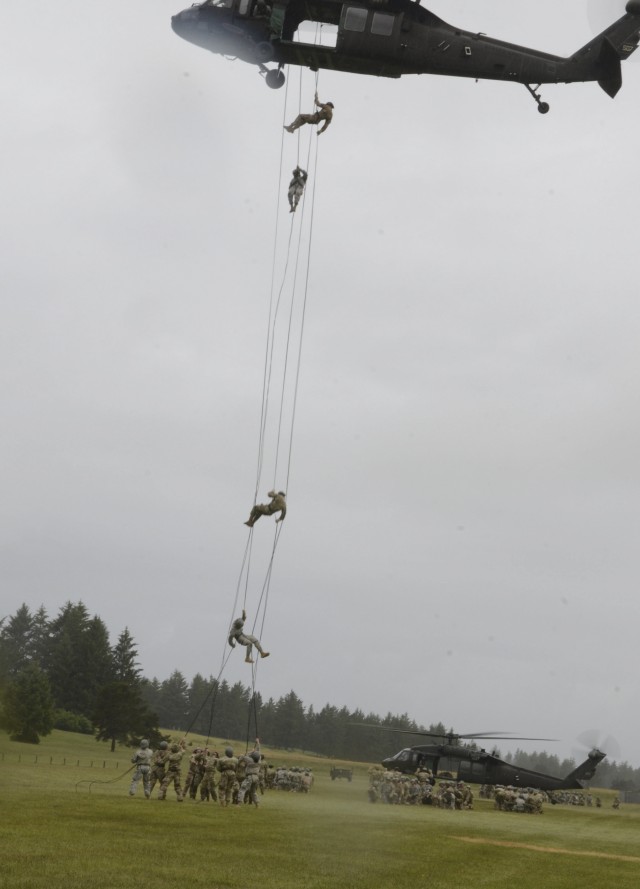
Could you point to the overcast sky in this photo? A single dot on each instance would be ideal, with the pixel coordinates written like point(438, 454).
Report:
point(462, 536)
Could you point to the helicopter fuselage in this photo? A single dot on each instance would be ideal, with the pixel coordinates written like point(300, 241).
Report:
point(389, 38)
point(479, 767)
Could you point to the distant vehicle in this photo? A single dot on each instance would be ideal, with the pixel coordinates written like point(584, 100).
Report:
point(389, 38)
point(341, 773)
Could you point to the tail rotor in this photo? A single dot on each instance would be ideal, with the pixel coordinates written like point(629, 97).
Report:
point(602, 13)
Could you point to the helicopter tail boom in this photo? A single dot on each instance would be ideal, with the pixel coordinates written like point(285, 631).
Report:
point(585, 770)
point(603, 55)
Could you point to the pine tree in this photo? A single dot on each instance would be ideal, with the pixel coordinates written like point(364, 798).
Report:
point(290, 725)
point(28, 706)
point(79, 659)
point(125, 664)
point(201, 704)
point(121, 716)
point(15, 642)
point(173, 705)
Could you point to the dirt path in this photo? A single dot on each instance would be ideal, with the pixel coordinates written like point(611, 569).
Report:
point(554, 851)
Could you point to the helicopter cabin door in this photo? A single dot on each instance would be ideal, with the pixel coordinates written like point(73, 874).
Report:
point(368, 33)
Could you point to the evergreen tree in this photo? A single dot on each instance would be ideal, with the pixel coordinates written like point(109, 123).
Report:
point(173, 706)
point(231, 710)
point(290, 724)
point(28, 706)
point(98, 655)
point(151, 693)
point(40, 639)
point(254, 720)
point(79, 658)
point(266, 721)
point(238, 711)
point(125, 664)
point(16, 642)
point(201, 703)
point(121, 716)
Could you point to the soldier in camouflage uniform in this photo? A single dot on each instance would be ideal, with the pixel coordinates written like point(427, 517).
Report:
point(142, 761)
point(237, 635)
point(296, 187)
point(251, 780)
point(324, 114)
point(173, 775)
point(270, 779)
point(208, 784)
point(464, 796)
point(227, 765)
point(278, 504)
point(194, 773)
point(158, 765)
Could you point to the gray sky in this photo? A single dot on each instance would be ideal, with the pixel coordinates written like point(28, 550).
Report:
point(463, 503)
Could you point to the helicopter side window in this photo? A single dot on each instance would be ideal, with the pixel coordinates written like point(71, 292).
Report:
point(382, 24)
point(355, 19)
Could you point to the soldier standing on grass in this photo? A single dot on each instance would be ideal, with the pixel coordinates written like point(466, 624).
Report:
point(208, 783)
point(158, 765)
point(227, 766)
point(142, 761)
point(251, 781)
point(173, 773)
point(194, 773)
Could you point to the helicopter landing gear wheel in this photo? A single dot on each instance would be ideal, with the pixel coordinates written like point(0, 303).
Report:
point(543, 107)
point(274, 78)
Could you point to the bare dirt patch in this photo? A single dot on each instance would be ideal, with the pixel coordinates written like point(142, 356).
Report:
point(548, 849)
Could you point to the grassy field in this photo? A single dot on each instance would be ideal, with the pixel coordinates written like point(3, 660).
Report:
point(56, 833)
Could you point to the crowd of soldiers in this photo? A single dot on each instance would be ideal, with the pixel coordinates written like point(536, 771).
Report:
point(227, 779)
point(528, 799)
point(421, 789)
point(519, 799)
point(294, 779)
point(570, 798)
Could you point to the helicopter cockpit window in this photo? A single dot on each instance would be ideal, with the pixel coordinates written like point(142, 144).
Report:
point(355, 19)
point(382, 24)
point(403, 756)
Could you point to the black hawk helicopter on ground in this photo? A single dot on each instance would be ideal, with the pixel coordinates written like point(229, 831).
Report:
point(463, 762)
point(389, 38)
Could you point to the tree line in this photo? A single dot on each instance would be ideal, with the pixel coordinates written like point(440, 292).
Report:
point(63, 672)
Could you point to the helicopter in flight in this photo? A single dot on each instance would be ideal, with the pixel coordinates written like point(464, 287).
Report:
point(464, 762)
point(389, 38)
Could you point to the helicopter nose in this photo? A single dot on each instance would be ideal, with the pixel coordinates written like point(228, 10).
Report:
point(184, 21)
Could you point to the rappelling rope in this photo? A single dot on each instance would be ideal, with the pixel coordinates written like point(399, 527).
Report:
point(304, 302)
point(91, 782)
point(263, 410)
point(264, 595)
point(273, 314)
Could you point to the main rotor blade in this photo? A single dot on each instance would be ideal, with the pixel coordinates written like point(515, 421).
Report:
point(495, 735)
